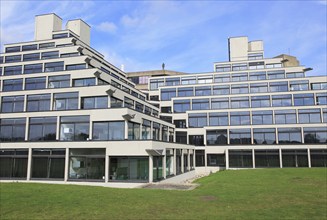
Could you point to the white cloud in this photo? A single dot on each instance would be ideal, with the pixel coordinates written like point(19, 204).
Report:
point(108, 27)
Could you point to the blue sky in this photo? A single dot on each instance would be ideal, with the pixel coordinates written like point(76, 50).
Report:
point(188, 36)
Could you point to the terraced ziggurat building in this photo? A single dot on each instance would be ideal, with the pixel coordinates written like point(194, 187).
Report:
point(251, 111)
point(67, 114)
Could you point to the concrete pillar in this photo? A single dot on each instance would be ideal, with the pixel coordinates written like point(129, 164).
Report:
point(280, 158)
point(227, 159)
point(205, 159)
point(188, 160)
point(164, 171)
point(29, 163)
point(126, 130)
point(182, 162)
point(193, 158)
point(175, 162)
point(106, 167)
point(150, 169)
point(66, 164)
point(309, 158)
point(253, 158)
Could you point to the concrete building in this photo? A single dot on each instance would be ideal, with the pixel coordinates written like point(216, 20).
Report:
point(67, 114)
point(250, 112)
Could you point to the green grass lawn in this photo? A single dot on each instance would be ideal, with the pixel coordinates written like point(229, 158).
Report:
point(244, 194)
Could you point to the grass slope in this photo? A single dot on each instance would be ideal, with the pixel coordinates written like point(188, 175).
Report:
point(244, 194)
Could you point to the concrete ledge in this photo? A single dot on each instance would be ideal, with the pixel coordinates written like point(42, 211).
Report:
point(181, 178)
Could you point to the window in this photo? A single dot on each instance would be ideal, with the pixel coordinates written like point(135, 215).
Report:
point(278, 87)
point(258, 87)
point(46, 45)
point(139, 107)
point(102, 82)
point(197, 140)
point(278, 74)
point(256, 65)
point(36, 103)
point(12, 129)
point(94, 102)
point(257, 75)
point(115, 84)
point(240, 89)
point(57, 36)
point(29, 47)
point(12, 85)
point(197, 120)
point(238, 77)
point(295, 158)
point(173, 81)
point(76, 66)
point(181, 105)
point(31, 56)
point(135, 94)
point(239, 66)
point(324, 113)
point(204, 79)
point(295, 75)
point(303, 99)
point(262, 118)
point(255, 56)
point(321, 98)
point(62, 81)
point(167, 94)
point(33, 68)
point(239, 118)
point(217, 137)
point(181, 137)
point(317, 135)
point(13, 163)
point(319, 86)
point(221, 90)
point(125, 89)
point(240, 136)
point(274, 65)
point(65, 101)
point(12, 70)
point(188, 91)
point(12, 49)
point(156, 83)
point(267, 158)
point(200, 104)
point(180, 123)
point(147, 110)
point(264, 136)
point(299, 85)
point(156, 131)
point(128, 103)
point(35, 83)
point(143, 80)
point(165, 109)
point(281, 100)
point(240, 102)
point(289, 135)
point(55, 66)
point(216, 160)
point(188, 80)
point(222, 78)
point(12, 104)
point(69, 55)
point(13, 59)
point(223, 68)
point(84, 82)
point(219, 103)
point(260, 101)
point(74, 128)
point(218, 119)
point(309, 116)
point(1, 59)
point(285, 117)
point(203, 91)
point(105, 131)
point(133, 131)
point(49, 55)
point(146, 130)
point(115, 103)
point(42, 129)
